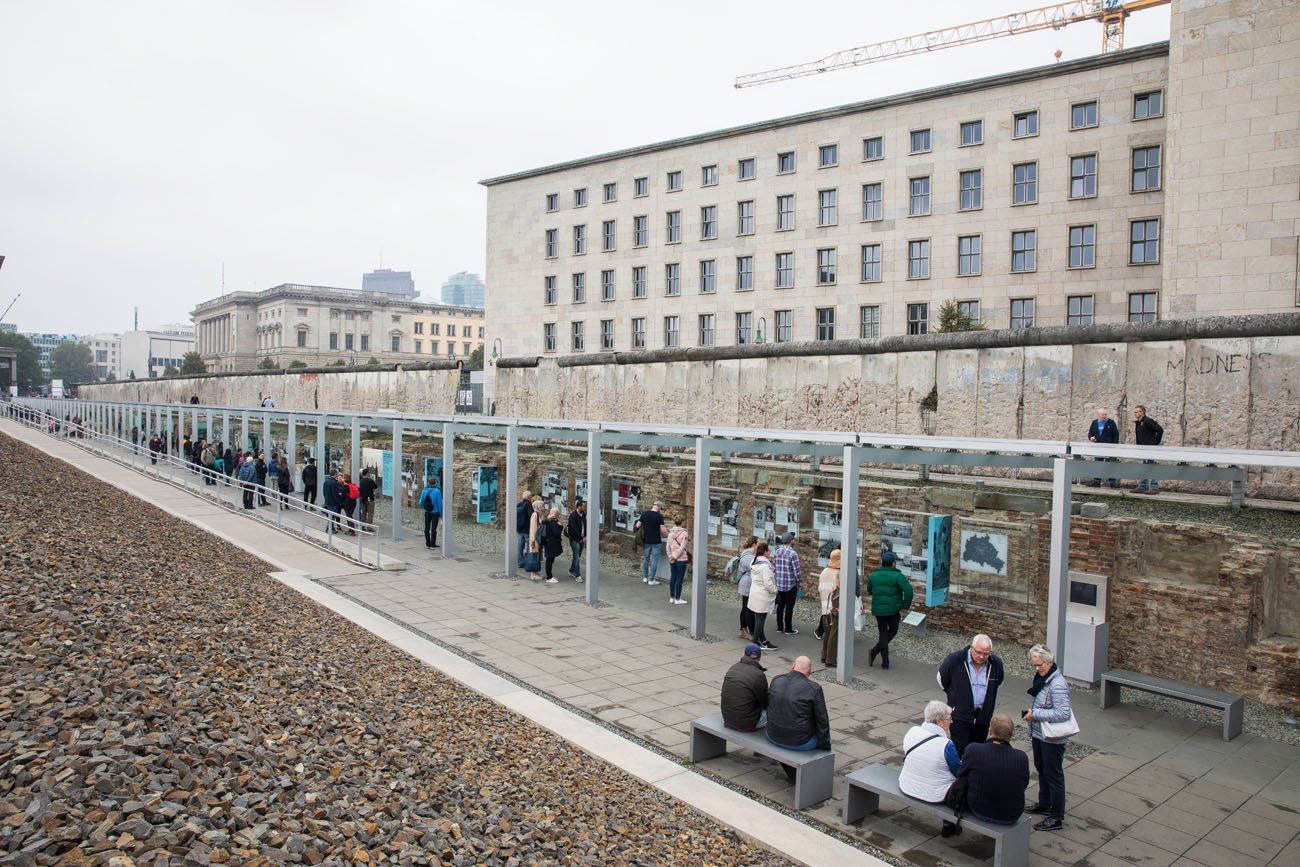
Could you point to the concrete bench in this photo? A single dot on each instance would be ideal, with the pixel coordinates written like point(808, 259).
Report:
point(1232, 706)
point(862, 791)
point(814, 770)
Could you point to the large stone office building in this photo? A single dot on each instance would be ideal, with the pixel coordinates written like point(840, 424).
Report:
point(320, 325)
point(1156, 182)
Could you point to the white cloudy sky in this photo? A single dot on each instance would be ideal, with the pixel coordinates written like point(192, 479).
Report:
point(144, 144)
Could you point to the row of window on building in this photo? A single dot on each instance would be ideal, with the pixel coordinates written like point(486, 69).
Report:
point(1079, 311)
point(435, 329)
point(1143, 249)
point(361, 343)
point(1024, 124)
point(1144, 177)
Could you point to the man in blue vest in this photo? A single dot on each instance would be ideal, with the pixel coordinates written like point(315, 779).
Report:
point(431, 501)
point(1103, 430)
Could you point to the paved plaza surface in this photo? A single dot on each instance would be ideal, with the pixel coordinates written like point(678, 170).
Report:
point(1142, 786)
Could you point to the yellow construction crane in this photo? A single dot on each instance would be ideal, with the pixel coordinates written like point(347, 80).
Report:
point(1109, 13)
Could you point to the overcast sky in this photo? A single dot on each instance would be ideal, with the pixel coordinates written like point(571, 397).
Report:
point(144, 144)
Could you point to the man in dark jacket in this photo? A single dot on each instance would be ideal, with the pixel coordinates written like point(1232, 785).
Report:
point(890, 593)
point(1103, 430)
point(796, 711)
point(744, 692)
point(997, 775)
point(247, 478)
point(1146, 432)
point(309, 482)
point(367, 486)
point(333, 499)
point(970, 677)
point(577, 533)
point(523, 519)
point(262, 470)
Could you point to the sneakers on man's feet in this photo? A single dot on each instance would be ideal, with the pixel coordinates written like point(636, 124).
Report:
point(578, 579)
point(819, 633)
point(552, 580)
point(767, 645)
point(1049, 824)
point(1037, 810)
point(792, 631)
point(653, 582)
point(871, 657)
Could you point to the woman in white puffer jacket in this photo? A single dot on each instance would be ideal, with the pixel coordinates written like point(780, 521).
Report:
point(762, 593)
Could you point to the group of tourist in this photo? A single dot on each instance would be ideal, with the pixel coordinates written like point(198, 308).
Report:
point(541, 537)
point(343, 498)
point(1146, 432)
point(960, 754)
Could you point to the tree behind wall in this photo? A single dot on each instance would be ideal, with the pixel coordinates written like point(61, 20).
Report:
point(72, 362)
point(29, 361)
point(268, 363)
point(191, 363)
point(952, 319)
point(475, 361)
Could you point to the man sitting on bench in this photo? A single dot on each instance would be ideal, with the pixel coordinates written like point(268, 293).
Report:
point(744, 692)
point(998, 775)
point(930, 760)
point(796, 712)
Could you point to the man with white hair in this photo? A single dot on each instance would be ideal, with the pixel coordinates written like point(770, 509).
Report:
point(1103, 430)
point(930, 760)
point(970, 677)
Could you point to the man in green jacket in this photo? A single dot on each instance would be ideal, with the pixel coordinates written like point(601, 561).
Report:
point(890, 593)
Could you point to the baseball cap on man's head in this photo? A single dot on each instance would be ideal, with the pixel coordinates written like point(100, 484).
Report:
point(888, 559)
point(752, 649)
point(787, 537)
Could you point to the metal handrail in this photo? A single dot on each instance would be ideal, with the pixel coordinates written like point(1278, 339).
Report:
point(110, 446)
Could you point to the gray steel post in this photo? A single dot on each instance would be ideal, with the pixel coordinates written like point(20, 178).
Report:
point(194, 423)
point(321, 468)
point(591, 569)
point(212, 428)
point(397, 481)
point(266, 435)
point(848, 563)
point(225, 428)
point(700, 555)
point(243, 430)
point(354, 448)
point(448, 511)
point(1058, 572)
point(510, 497)
point(291, 446)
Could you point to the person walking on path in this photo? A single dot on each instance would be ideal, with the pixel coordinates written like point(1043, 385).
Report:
point(333, 498)
point(828, 589)
point(1051, 705)
point(1103, 430)
point(285, 480)
point(209, 460)
point(534, 536)
point(679, 556)
point(551, 542)
point(789, 577)
point(262, 470)
point(309, 482)
point(348, 496)
point(576, 530)
point(155, 446)
point(431, 502)
point(523, 516)
point(890, 593)
point(367, 487)
point(762, 593)
point(273, 472)
point(248, 478)
point(228, 460)
point(970, 678)
point(743, 567)
point(1146, 432)
point(651, 524)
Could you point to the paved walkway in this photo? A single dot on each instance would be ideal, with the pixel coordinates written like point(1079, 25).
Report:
point(1145, 787)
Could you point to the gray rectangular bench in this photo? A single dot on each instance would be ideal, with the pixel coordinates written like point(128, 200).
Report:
point(862, 791)
point(814, 770)
point(1232, 706)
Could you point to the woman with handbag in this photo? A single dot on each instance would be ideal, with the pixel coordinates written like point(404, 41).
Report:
point(762, 593)
point(551, 541)
point(828, 589)
point(744, 564)
point(1051, 724)
point(533, 562)
point(678, 558)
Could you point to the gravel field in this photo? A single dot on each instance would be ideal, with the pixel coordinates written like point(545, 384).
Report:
point(163, 701)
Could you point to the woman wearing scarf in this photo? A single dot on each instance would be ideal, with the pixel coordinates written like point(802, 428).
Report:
point(1051, 705)
point(828, 589)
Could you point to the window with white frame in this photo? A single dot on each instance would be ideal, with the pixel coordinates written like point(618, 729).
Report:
point(579, 292)
point(1083, 115)
point(673, 278)
point(828, 207)
point(708, 222)
point(826, 266)
point(707, 331)
point(1148, 104)
point(971, 195)
point(870, 263)
point(638, 332)
point(548, 337)
point(640, 231)
point(918, 197)
point(1078, 310)
point(746, 169)
point(785, 162)
point(606, 334)
point(784, 326)
point(673, 227)
point(1083, 247)
point(708, 276)
point(918, 259)
point(708, 175)
point(869, 321)
point(552, 201)
point(672, 331)
point(608, 235)
point(1022, 313)
point(873, 148)
point(549, 293)
point(1146, 169)
point(1083, 176)
point(972, 133)
point(579, 240)
point(611, 192)
point(918, 318)
point(1024, 183)
point(745, 218)
point(919, 141)
point(970, 311)
point(828, 156)
point(577, 336)
point(607, 285)
point(825, 323)
point(640, 187)
point(744, 327)
point(969, 253)
point(1144, 242)
point(552, 243)
point(784, 213)
point(580, 197)
point(674, 181)
point(744, 273)
point(872, 202)
point(1142, 307)
point(1024, 124)
point(638, 281)
point(784, 270)
point(1024, 250)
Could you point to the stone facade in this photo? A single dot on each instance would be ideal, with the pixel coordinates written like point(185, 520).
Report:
point(1217, 103)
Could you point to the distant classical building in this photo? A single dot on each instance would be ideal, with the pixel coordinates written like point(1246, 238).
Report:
point(148, 352)
point(464, 289)
point(392, 282)
point(320, 325)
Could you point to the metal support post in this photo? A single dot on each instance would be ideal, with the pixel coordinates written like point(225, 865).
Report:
point(848, 563)
point(321, 468)
point(244, 441)
point(700, 556)
point(397, 481)
point(590, 569)
point(1058, 572)
point(211, 433)
point(448, 513)
point(354, 448)
point(291, 447)
point(266, 434)
point(225, 428)
point(510, 498)
point(194, 423)
point(1239, 490)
